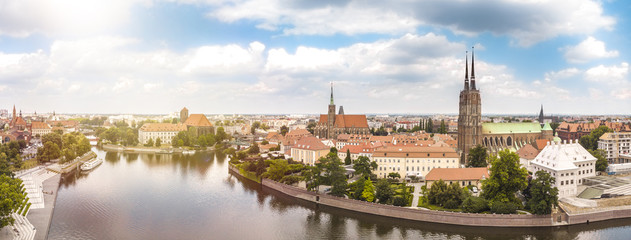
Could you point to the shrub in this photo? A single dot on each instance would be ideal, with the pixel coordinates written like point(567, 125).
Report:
point(503, 208)
point(399, 201)
point(451, 204)
point(474, 205)
point(290, 179)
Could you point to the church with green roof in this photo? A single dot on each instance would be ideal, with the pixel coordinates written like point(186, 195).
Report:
point(494, 136)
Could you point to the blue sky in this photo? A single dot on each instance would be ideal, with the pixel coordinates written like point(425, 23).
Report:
point(279, 56)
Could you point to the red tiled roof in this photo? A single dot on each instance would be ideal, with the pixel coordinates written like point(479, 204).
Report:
point(345, 121)
point(40, 125)
point(540, 144)
point(416, 152)
point(457, 174)
point(198, 120)
point(310, 143)
point(528, 152)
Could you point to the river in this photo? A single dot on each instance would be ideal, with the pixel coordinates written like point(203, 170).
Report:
point(153, 196)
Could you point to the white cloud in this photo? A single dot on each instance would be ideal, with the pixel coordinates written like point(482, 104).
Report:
point(622, 94)
point(225, 59)
point(21, 18)
point(611, 75)
point(526, 22)
point(318, 18)
point(562, 74)
point(589, 49)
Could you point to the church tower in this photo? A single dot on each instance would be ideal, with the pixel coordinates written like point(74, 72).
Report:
point(470, 109)
point(331, 117)
point(183, 115)
point(541, 116)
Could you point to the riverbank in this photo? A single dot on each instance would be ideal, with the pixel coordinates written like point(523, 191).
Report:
point(442, 217)
point(165, 150)
point(41, 218)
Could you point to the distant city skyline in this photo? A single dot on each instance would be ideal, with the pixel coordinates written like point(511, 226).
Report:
point(267, 57)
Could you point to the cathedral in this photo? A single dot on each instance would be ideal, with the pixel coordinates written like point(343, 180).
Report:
point(494, 136)
point(469, 117)
point(330, 125)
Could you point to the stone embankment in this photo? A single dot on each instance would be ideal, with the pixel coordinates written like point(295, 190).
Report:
point(454, 218)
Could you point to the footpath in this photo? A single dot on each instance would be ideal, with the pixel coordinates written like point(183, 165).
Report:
point(41, 187)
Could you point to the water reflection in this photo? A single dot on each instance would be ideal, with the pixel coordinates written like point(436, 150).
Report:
point(157, 196)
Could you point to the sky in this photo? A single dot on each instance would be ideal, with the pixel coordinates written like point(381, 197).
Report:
point(280, 56)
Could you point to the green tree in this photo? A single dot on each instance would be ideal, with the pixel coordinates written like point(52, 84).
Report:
point(429, 127)
point(347, 159)
point(506, 178)
point(149, 143)
point(383, 191)
point(358, 189)
point(334, 174)
point(333, 150)
point(277, 170)
point(364, 167)
point(254, 149)
point(443, 127)
point(221, 135)
point(12, 197)
point(158, 142)
point(590, 142)
point(394, 175)
point(311, 126)
point(369, 191)
point(283, 130)
point(477, 157)
point(542, 194)
point(601, 161)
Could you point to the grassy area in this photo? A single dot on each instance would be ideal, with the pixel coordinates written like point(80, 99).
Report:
point(31, 163)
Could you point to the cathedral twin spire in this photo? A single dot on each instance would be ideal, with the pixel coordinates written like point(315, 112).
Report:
point(466, 70)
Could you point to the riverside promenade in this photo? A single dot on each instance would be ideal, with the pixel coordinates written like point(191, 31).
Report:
point(41, 186)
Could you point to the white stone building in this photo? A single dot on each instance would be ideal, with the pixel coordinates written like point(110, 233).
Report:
point(568, 163)
point(615, 144)
point(164, 131)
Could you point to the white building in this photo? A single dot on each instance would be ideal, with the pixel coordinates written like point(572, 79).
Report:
point(40, 128)
point(164, 131)
point(568, 163)
point(417, 161)
point(615, 144)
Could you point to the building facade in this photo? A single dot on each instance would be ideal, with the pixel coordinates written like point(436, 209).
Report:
point(617, 145)
point(164, 131)
point(462, 176)
point(331, 125)
point(413, 161)
point(569, 163)
point(308, 150)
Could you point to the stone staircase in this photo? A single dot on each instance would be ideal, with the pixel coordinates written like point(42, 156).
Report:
point(22, 228)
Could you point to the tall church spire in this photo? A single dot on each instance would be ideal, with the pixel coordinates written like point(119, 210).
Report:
point(472, 69)
point(331, 93)
point(466, 70)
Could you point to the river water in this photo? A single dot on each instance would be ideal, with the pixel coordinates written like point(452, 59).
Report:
point(153, 196)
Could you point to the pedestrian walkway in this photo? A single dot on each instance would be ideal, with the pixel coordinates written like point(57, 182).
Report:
point(417, 193)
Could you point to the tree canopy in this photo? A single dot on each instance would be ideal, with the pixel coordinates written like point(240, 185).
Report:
point(506, 178)
point(12, 197)
point(364, 167)
point(542, 193)
point(477, 157)
point(590, 141)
